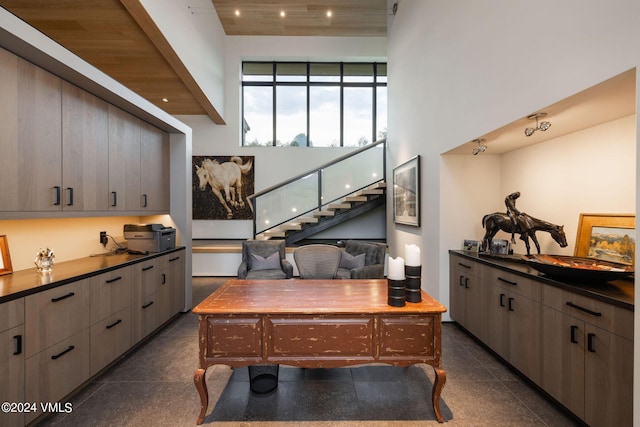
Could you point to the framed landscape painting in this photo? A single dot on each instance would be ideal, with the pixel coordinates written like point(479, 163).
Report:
point(406, 192)
point(608, 237)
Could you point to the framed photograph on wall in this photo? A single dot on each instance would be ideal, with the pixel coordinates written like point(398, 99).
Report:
point(608, 237)
point(406, 192)
point(5, 258)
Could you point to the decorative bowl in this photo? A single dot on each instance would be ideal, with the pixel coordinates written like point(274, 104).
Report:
point(577, 268)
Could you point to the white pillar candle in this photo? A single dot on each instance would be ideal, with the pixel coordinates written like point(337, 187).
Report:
point(412, 255)
point(396, 268)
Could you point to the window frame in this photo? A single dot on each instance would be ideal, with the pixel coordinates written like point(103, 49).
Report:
point(374, 85)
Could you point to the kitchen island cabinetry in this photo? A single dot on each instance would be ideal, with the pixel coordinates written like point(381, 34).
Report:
point(12, 360)
point(574, 340)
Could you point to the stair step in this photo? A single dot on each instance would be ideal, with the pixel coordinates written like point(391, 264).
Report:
point(293, 226)
point(262, 236)
point(370, 192)
point(275, 232)
point(307, 220)
point(336, 206)
point(356, 199)
point(319, 214)
point(380, 184)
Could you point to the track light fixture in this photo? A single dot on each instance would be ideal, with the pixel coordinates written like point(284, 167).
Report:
point(480, 148)
point(542, 126)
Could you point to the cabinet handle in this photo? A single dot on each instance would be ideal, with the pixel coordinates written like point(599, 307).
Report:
point(461, 280)
point(508, 282)
point(149, 267)
point(144, 200)
point(466, 282)
point(114, 199)
point(70, 191)
point(114, 323)
point(590, 343)
point(147, 304)
point(115, 279)
point(57, 189)
point(586, 310)
point(511, 304)
point(464, 265)
point(574, 330)
point(174, 259)
point(69, 295)
point(55, 356)
point(502, 300)
point(18, 339)
point(164, 279)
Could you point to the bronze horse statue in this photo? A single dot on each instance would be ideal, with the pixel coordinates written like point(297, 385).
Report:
point(526, 226)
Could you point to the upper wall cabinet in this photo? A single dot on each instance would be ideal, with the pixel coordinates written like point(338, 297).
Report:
point(65, 152)
point(124, 161)
point(30, 149)
point(154, 168)
point(85, 150)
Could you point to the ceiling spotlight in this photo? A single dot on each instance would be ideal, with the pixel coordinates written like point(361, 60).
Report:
point(480, 148)
point(542, 126)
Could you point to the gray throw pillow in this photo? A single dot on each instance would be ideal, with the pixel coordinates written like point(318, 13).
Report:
point(349, 261)
point(269, 263)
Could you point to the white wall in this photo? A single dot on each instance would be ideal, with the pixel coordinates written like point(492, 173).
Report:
point(461, 69)
point(272, 164)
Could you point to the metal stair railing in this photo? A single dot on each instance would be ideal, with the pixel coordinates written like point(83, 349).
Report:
point(319, 187)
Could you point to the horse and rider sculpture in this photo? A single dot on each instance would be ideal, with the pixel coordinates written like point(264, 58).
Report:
point(516, 222)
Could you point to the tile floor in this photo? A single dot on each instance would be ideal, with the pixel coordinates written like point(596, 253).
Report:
point(153, 386)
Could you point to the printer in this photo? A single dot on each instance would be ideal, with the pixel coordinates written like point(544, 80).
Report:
point(149, 237)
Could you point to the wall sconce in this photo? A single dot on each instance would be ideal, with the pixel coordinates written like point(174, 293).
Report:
point(542, 126)
point(480, 148)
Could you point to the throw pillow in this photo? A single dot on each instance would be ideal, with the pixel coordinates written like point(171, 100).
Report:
point(349, 261)
point(269, 263)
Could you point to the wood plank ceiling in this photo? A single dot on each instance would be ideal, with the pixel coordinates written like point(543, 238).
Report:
point(119, 38)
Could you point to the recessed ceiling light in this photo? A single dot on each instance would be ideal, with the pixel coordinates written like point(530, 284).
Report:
point(329, 14)
point(165, 99)
point(282, 14)
point(237, 12)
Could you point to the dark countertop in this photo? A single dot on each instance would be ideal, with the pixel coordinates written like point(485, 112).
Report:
point(26, 282)
point(617, 292)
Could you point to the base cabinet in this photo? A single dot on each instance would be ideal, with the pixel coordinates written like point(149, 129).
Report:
point(578, 349)
point(12, 360)
point(54, 341)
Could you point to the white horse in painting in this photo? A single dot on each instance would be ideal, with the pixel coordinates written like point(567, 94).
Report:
point(225, 177)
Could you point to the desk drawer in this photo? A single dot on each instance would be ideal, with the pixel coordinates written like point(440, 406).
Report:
point(233, 337)
point(323, 336)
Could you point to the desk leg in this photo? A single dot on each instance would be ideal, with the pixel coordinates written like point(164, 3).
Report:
point(438, 384)
point(201, 386)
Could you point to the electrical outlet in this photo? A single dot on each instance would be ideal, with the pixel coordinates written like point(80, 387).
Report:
point(103, 238)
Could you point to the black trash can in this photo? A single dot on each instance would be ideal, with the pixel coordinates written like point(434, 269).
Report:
point(263, 379)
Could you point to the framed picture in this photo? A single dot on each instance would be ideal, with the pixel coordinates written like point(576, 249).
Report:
point(406, 192)
point(5, 258)
point(470, 245)
point(608, 237)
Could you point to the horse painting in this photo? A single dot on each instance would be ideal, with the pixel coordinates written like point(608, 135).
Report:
point(526, 226)
point(224, 177)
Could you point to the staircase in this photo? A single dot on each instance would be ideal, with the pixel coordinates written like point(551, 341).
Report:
point(323, 197)
point(349, 207)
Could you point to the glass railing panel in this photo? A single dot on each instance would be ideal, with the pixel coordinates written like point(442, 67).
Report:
point(353, 173)
point(286, 202)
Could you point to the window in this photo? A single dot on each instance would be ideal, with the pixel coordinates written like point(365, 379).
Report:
point(313, 104)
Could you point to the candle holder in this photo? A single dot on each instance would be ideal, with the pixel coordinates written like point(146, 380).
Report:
point(396, 295)
point(413, 276)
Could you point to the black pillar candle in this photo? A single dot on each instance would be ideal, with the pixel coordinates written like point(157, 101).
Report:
point(413, 276)
point(396, 293)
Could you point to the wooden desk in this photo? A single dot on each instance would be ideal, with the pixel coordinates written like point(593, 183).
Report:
point(316, 324)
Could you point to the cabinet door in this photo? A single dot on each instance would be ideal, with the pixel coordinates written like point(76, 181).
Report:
point(525, 337)
point(563, 359)
point(172, 285)
point(85, 150)
point(12, 374)
point(154, 169)
point(110, 293)
point(110, 338)
point(497, 320)
point(608, 379)
point(124, 161)
point(30, 140)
